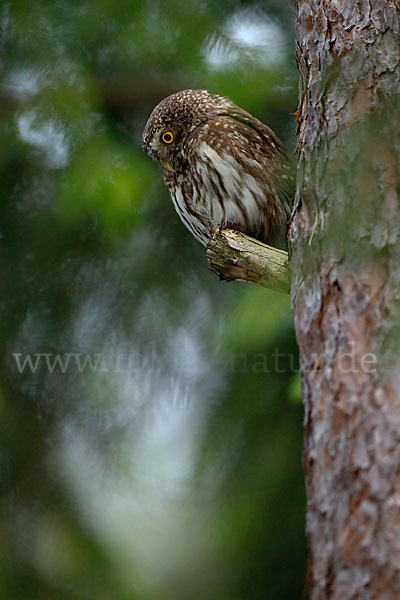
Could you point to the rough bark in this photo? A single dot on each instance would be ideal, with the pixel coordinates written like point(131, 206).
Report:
point(346, 293)
point(234, 256)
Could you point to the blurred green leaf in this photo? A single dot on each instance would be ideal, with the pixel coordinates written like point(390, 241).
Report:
point(172, 468)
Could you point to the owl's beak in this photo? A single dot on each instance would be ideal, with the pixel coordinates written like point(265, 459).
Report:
point(167, 165)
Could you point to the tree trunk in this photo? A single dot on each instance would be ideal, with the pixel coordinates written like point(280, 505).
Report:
point(346, 293)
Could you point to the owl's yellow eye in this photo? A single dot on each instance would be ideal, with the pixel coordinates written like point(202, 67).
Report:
point(167, 137)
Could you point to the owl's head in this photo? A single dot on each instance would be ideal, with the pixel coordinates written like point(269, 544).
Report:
point(173, 120)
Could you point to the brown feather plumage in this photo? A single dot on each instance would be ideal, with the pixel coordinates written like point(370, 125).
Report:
point(223, 166)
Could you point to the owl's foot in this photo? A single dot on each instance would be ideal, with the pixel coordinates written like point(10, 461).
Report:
point(212, 229)
point(233, 226)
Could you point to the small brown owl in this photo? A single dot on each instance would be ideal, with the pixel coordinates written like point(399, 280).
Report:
point(222, 166)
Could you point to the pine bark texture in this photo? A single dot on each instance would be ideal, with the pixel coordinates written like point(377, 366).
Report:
point(346, 293)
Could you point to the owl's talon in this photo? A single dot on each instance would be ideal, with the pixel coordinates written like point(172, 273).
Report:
point(233, 226)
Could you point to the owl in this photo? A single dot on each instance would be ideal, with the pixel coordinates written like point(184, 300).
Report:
point(222, 166)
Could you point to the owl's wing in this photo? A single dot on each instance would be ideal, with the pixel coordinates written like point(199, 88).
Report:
point(253, 125)
point(265, 147)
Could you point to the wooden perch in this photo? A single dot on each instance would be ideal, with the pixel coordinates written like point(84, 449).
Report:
point(232, 255)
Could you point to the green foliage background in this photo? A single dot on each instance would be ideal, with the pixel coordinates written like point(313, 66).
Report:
point(171, 467)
